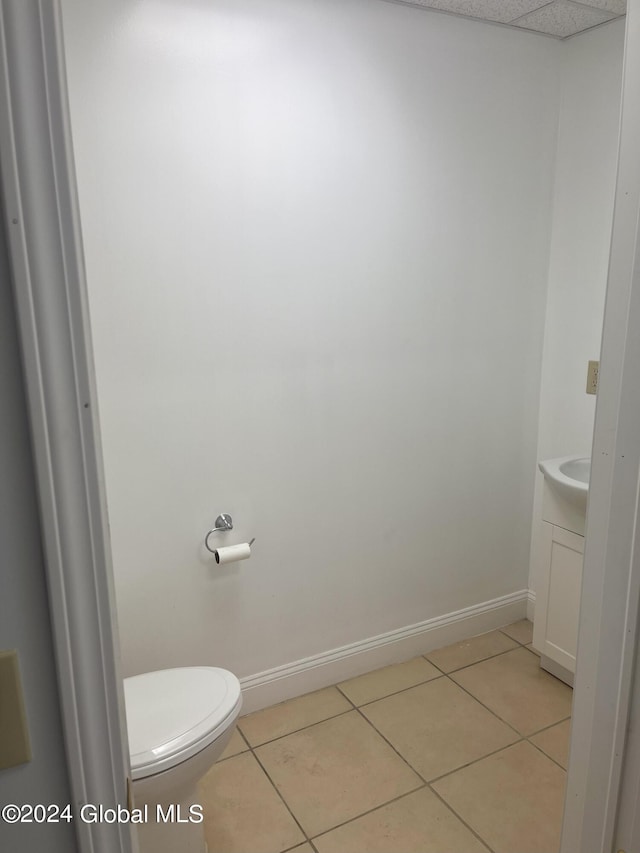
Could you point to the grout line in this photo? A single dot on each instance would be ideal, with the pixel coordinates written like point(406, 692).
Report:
point(488, 657)
point(420, 776)
point(300, 844)
point(380, 698)
point(355, 707)
point(235, 755)
point(240, 751)
point(424, 785)
point(461, 819)
point(286, 804)
point(432, 663)
point(550, 726)
point(341, 713)
point(475, 761)
point(302, 728)
point(493, 713)
point(520, 738)
point(476, 662)
point(502, 631)
point(428, 785)
point(520, 735)
point(371, 811)
point(409, 765)
point(535, 745)
point(546, 755)
point(395, 692)
point(295, 847)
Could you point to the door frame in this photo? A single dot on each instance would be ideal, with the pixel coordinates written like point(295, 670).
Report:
point(608, 632)
point(45, 243)
point(45, 253)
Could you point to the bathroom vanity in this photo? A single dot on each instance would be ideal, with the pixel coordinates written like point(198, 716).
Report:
point(564, 506)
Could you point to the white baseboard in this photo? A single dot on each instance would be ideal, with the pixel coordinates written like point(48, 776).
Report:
point(312, 673)
point(531, 605)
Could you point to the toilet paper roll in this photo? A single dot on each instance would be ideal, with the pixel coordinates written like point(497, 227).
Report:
point(232, 553)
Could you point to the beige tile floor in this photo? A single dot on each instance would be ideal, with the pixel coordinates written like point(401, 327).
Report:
point(463, 750)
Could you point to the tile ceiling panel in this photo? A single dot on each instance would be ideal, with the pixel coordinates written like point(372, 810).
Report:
point(563, 19)
point(502, 11)
point(618, 7)
point(559, 18)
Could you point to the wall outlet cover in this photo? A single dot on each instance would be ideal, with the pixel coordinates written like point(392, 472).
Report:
point(592, 377)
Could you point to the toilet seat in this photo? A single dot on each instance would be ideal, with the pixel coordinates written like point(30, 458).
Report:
point(174, 713)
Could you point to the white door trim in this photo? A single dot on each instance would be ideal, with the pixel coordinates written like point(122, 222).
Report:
point(45, 248)
point(46, 256)
point(608, 616)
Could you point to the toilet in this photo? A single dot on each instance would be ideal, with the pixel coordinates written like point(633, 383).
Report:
point(179, 722)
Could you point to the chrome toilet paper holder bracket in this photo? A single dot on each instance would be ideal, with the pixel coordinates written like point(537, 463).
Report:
point(222, 523)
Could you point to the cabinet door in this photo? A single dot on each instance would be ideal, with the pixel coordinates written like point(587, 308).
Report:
point(560, 605)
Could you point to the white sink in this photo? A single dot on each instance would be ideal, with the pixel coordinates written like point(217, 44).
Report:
point(569, 475)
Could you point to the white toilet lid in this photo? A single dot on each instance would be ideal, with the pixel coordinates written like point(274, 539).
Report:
point(174, 713)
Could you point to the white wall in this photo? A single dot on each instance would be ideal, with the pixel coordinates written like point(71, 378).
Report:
point(24, 611)
point(317, 247)
point(582, 220)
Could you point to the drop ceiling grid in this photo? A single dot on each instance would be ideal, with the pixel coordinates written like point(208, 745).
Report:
point(559, 18)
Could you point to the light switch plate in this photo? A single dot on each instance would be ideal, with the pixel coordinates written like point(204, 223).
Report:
point(15, 747)
point(592, 377)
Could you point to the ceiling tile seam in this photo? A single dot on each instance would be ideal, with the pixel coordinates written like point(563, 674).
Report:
point(587, 5)
point(583, 6)
point(592, 27)
point(410, 4)
point(510, 24)
point(513, 21)
point(530, 12)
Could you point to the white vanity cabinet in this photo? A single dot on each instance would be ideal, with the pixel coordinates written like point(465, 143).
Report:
point(558, 600)
point(561, 550)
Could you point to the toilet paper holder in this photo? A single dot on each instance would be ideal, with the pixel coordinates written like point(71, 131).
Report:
point(222, 523)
